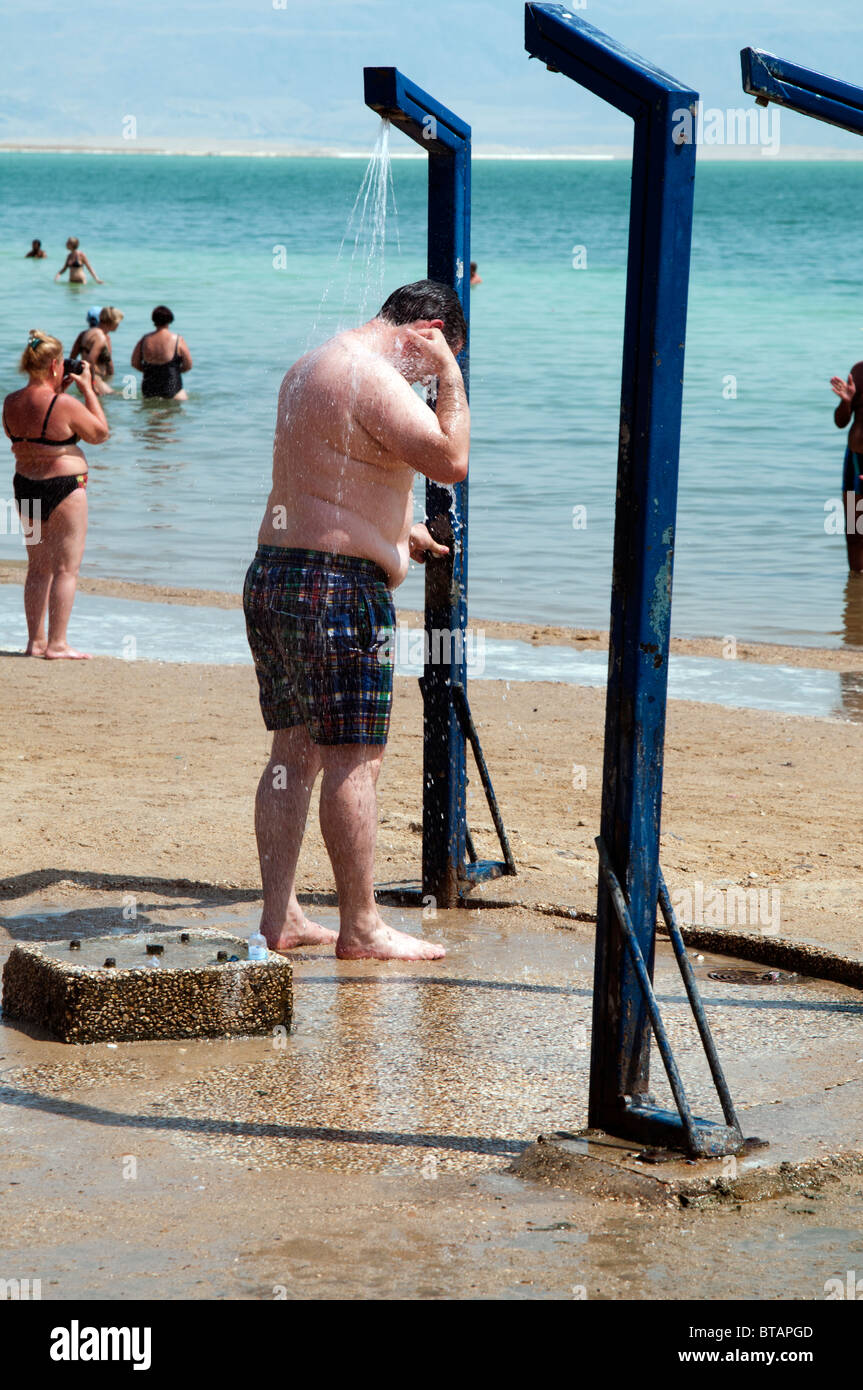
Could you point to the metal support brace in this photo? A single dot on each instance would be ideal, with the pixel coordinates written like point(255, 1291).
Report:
point(703, 1138)
point(476, 870)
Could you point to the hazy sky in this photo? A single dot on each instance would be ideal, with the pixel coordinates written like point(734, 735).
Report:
point(267, 71)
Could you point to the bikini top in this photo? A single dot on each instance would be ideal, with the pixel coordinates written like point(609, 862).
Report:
point(27, 439)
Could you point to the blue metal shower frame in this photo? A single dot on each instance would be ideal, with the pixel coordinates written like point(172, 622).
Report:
point(449, 863)
point(630, 881)
point(810, 93)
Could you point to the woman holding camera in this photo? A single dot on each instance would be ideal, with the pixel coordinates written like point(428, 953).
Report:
point(50, 482)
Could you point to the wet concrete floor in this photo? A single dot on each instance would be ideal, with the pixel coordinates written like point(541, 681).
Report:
point(365, 1155)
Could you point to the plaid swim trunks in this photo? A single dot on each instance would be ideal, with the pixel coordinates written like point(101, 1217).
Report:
point(320, 628)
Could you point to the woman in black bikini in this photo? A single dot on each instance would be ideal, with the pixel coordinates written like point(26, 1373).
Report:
point(75, 263)
point(162, 356)
point(44, 425)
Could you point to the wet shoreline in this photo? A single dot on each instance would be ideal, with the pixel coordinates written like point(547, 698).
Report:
point(824, 657)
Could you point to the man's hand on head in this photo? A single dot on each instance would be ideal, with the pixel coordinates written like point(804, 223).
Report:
point(422, 543)
point(434, 442)
point(429, 347)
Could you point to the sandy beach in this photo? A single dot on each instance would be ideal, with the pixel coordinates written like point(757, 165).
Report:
point(132, 783)
point(117, 773)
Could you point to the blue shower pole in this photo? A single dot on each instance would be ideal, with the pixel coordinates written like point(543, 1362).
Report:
point(446, 140)
point(657, 282)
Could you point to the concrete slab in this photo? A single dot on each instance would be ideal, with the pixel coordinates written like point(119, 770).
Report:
point(196, 983)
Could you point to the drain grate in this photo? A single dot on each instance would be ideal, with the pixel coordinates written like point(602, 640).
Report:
point(752, 977)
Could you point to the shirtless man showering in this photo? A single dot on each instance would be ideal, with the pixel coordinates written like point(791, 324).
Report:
point(335, 540)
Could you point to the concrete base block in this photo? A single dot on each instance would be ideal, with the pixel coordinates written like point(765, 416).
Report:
point(74, 996)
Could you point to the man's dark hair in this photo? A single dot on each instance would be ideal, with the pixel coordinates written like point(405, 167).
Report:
point(162, 316)
point(428, 299)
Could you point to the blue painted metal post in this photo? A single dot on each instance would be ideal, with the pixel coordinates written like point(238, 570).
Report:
point(446, 139)
point(444, 751)
point(800, 89)
point(660, 227)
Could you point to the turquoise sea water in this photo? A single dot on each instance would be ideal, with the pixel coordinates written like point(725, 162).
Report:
point(177, 493)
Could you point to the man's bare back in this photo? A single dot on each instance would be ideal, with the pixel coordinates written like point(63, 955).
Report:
point(350, 434)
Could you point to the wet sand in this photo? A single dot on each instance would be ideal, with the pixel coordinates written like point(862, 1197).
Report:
point(362, 1158)
point(130, 785)
point(206, 1229)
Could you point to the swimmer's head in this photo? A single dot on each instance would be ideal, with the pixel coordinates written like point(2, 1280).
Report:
point(72, 244)
point(93, 317)
point(110, 318)
point(37, 245)
point(428, 301)
point(162, 316)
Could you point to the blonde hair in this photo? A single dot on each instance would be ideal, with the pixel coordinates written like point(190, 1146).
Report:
point(40, 352)
point(110, 318)
point(73, 243)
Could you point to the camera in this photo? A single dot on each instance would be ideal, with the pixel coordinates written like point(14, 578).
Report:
point(72, 366)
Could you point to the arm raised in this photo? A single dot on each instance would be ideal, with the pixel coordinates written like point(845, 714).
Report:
point(847, 392)
point(435, 443)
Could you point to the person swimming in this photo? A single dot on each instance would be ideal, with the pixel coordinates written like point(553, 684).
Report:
point(35, 253)
point(76, 262)
point(162, 357)
point(50, 485)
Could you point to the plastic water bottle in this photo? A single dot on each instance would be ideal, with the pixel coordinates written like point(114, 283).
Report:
point(258, 946)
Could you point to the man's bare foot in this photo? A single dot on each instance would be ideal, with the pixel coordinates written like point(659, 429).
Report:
point(304, 933)
point(65, 654)
point(36, 648)
point(377, 941)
